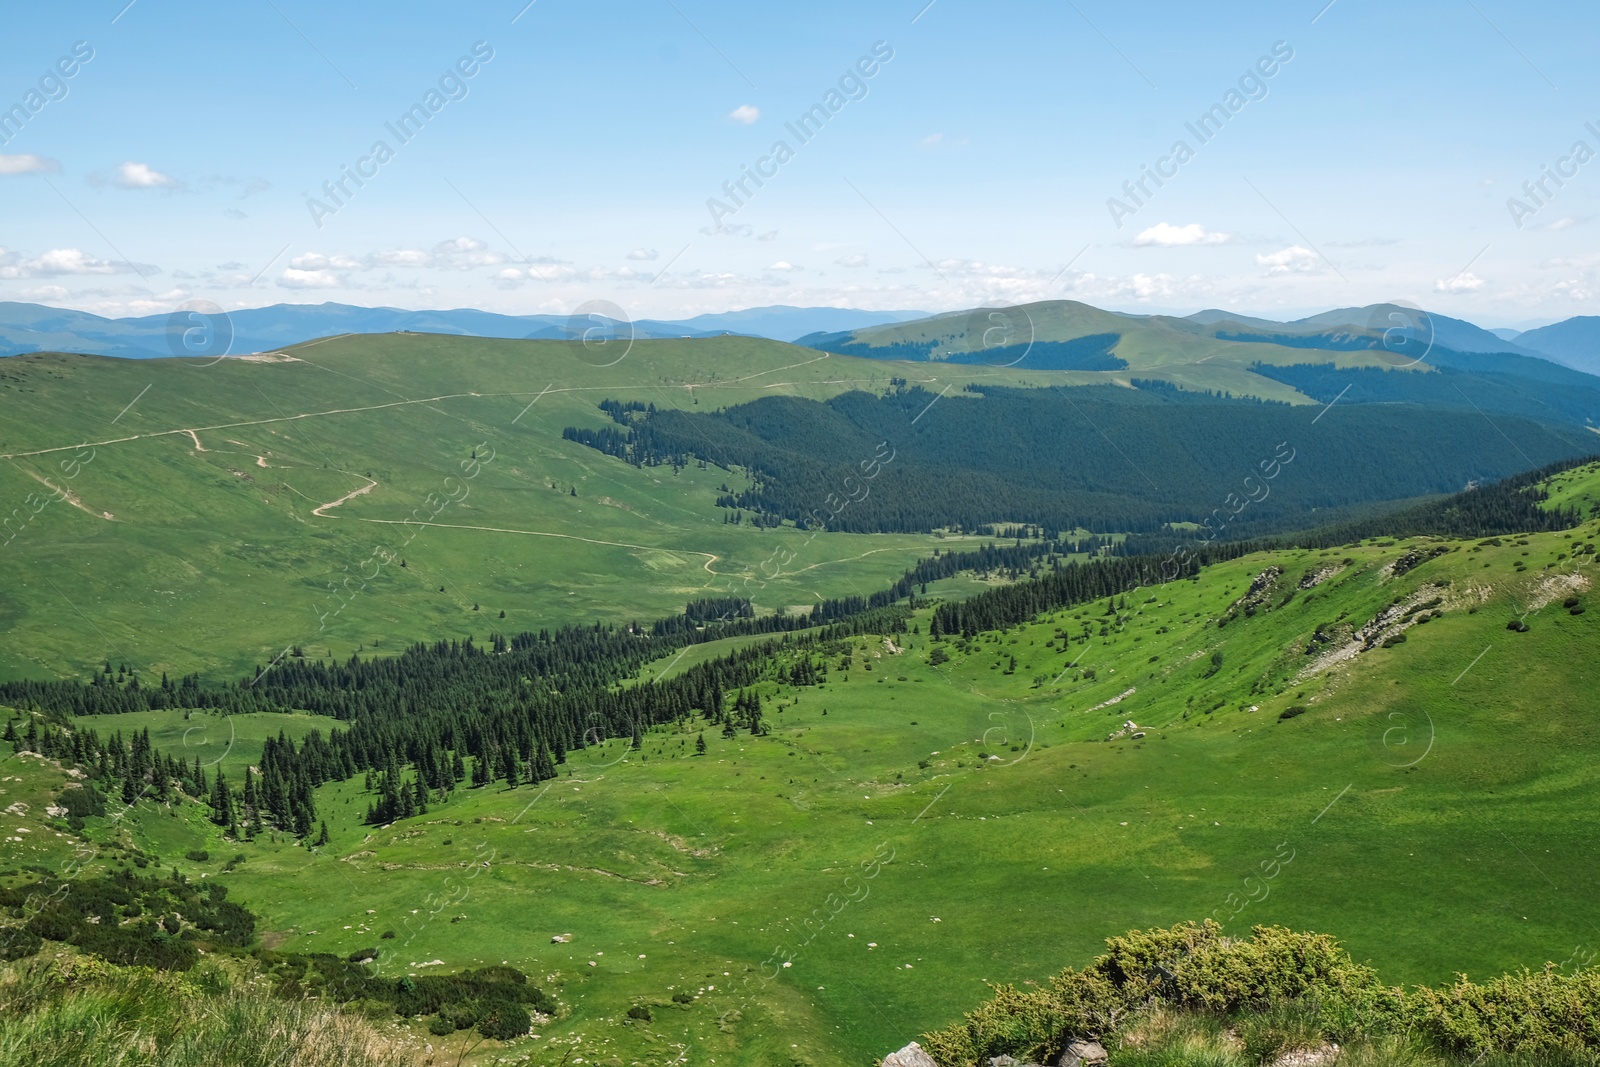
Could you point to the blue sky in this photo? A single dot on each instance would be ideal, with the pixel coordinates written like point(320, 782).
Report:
point(974, 166)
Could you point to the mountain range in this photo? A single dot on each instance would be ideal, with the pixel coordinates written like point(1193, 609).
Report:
point(37, 328)
point(25, 327)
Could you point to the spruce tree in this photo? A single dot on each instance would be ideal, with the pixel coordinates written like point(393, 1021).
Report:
point(221, 800)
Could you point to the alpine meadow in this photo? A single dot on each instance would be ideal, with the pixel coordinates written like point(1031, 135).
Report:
point(863, 536)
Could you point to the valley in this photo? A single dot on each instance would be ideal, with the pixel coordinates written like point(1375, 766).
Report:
point(1427, 793)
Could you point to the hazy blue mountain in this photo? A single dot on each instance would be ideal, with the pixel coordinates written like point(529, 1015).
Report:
point(35, 328)
point(1575, 342)
point(784, 323)
point(1455, 334)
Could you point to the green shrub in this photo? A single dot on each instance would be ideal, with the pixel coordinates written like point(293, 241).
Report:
point(1529, 1012)
point(505, 1021)
point(54, 922)
point(197, 855)
point(640, 1012)
point(17, 943)
point(1188, 966)
point(82, 802)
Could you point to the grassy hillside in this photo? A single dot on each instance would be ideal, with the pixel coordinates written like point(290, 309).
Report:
point(938, 815)
point(1188, 354)
point(180, 516)
point(1385, 353)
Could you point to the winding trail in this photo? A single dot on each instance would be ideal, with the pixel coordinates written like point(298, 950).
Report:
point(69, 496)
point(372, 484)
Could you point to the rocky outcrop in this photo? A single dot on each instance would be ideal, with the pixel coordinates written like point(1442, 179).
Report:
point(1081, 1052)
point(910, 1056)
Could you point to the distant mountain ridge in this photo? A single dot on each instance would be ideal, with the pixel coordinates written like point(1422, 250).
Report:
point(1386, 353)
point(1575, 342)
point(37, 328)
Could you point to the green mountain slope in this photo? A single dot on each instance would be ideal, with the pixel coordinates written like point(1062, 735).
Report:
point(1395, 351)
point(198, 515)
point(936, 814)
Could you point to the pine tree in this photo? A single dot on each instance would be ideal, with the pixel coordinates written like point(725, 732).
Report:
point(221, 800)
point(700, 745)
point(322, 838)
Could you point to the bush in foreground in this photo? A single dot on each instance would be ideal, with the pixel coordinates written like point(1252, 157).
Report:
point(1189, 995)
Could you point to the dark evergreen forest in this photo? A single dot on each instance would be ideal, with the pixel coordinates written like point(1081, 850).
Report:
point(1102, 458)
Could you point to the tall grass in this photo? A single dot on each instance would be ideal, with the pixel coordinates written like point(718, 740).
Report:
point(73, 1013)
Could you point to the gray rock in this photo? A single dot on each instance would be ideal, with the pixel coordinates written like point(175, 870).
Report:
point(1082, 1053)
point(910, 1056)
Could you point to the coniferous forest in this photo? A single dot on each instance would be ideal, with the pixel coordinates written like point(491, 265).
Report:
point(1075, 458)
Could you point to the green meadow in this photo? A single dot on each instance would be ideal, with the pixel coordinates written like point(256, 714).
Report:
point(187, 517)
point(921, 824)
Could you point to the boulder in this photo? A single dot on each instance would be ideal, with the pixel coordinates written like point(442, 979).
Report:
point(1081, 1052)
point(910, 1056)
point(1308, 1057)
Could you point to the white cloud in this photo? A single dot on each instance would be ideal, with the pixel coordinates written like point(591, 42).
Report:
point(45, 293)
point(57, 262)
point(293, 278)
point(1567, 223)
point(770, 235)
point(133, 175)
point(27, 164)
point(855, 259)
point(464, 253)
point(316, 261)
point(1575, 288)
point(784, 265)
point(1583, 262)
point(1145, 286)
point(644, 254)
point(932, 139)
point(1465, 282)
point(745, 113)
point(400, 257)
point(1291, 260)
point(1166, 235)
